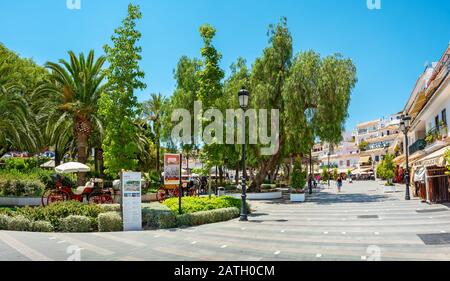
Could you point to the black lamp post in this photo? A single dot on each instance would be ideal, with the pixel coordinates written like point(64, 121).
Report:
point(243, 102)
point(405, 126)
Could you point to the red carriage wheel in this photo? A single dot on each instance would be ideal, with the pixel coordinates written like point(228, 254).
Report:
point(56, 196)
point(161, 195)
point(193, 192)
point(45, 196)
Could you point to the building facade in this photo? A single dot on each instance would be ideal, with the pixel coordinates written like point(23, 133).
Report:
point(429, 106)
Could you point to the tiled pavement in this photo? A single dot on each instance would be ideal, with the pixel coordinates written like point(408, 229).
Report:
point(362, 223)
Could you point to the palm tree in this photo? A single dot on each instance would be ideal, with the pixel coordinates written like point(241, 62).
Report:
point(70, 96)
point(153, 111)
point(14, 117)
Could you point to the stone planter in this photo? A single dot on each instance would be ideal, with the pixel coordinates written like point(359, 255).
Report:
point(298, 197)
point(389, 189)
point(20, 201)
point(260, 196)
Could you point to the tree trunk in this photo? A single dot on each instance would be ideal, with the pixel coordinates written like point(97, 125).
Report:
point(265, 168)
point(237, 174)
point(82, 142)
point(221, 175)
point(158, 157)
point(99, 166)
point(57, 157)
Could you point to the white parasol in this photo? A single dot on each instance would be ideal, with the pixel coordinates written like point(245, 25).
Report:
point(72, 167)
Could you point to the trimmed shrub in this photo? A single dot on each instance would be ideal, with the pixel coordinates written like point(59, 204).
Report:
point(55, 212)
point(21, 188)
point(199, 204)
point(110, 222)
point(208, 217)
point(19, 223)
point(76, 224)
point(155, 215)
point(42, 226)
point(110, 207)
point(268, 186)
point(4, 222)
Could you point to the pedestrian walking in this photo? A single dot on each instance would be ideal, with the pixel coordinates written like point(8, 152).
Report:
point(339, 183)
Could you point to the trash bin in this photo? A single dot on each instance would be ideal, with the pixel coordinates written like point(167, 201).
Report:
point(221, 191)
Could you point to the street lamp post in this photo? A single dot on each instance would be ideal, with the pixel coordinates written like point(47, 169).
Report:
point(405, 126)
point(243, 102)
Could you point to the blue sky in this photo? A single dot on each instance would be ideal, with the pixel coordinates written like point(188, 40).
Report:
point(389, 46)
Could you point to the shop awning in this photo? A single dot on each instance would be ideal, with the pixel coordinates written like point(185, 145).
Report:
point(362, 171)
point(419, 174)
point(434, 159)
point(421, 100)
point(365, 160)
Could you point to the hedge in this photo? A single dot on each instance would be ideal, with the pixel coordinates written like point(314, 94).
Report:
point(58, 211)
point(199, 204)
point(76, 224)
point(42, 226)
point(4, 222)
point(110, 222)
point(21, 188)
point(20, 223)
point(207, 217)
point(156, 215)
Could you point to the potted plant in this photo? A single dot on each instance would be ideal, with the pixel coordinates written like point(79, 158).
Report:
point(444, 129)
point(298, 182)
point(430, 138)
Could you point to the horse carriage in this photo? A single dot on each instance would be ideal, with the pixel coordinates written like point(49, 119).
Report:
point(190, 187)
point(93, 192)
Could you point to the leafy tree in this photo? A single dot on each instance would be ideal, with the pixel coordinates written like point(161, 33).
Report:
point(386, 169)
point(363, 145)
point(119, 105)
point(335, 174)
point(325, 175)
point(312, 94)
point(70, 97)
point(154, 111)
point(298, 179)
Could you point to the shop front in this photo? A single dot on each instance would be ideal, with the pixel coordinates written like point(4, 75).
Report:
point(431, 179)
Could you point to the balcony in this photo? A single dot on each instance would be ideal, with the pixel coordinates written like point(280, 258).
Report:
point(417, 146)
point(436, 134)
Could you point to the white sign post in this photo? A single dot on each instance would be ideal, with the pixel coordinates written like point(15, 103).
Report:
point(131, 201)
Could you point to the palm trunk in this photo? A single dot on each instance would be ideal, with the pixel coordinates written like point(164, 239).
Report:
point(82, 141)
point(158, 163)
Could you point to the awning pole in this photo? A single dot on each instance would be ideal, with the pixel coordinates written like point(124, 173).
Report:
point(427, 185)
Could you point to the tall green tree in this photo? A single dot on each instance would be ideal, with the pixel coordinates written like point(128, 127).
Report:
point(119, 105)
point(71, 96)
point(154, 111)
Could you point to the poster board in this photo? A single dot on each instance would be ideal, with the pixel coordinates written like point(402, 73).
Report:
point(131, 201)
point(172, 169)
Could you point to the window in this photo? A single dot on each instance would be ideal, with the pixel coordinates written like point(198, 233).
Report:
point(436, 122)
point(377, 158)
point(348, 163)
point(444, 116)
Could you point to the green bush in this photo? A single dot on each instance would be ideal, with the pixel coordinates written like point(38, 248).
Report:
point(20, 223)
point(76, 224)
point(111, 207)
point(155, 215)
point(208, 217)
point(198, 204)
point(21, 188)
point(110, 222)
point(4, 222)
point(42, 226)
point(268, 186)
point(55, 212)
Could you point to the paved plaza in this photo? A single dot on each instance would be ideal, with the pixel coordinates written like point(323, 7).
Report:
point(362, 224)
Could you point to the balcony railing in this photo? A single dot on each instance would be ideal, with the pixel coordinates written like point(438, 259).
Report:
point(417, 146)
point(436, 134)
